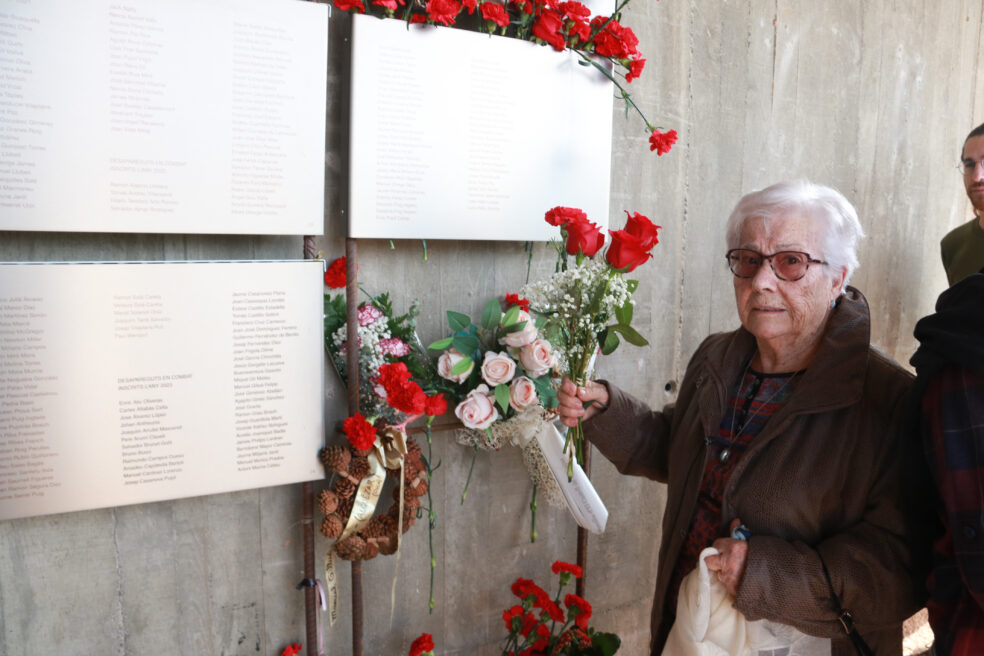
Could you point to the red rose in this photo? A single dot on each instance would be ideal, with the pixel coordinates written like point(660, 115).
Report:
point(558, 216)
point(422, 645)
point(579, 609)
point(443, 11)
point(514, 299)
point(662, 142)
point(635, 69)
point(640, 226)
point(626, 251)
point(360, 433)
point(493, 11)
point(435, 406)
point(584, 236)
point(346, 5)
point(560, 566)
point(335, 275)
point(548, 27)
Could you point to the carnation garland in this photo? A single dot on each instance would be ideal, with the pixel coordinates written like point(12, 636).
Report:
point(600, 41)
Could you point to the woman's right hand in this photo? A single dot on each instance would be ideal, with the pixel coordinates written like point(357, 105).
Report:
point(573, 399)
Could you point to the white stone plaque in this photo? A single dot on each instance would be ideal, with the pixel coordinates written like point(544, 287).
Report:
point(183, 116)
point(461, 135)
point(129, 383)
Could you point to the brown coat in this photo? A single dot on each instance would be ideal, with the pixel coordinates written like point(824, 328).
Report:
point(821, 480)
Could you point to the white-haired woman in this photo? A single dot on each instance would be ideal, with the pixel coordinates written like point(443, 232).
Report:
point(788, 426)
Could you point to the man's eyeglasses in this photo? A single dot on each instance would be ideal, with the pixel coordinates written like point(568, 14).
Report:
point(787, 265)
point(968, 166)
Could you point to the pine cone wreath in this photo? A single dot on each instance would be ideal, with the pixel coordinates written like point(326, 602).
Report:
point(327, 502)
point(332, 526)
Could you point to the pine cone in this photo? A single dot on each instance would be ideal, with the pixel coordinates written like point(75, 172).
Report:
point(361, 453)
point(379, 526)
point(344, 488)
point(372, 549)
point(419, 489)
point(336, 458)
point(327, 502)
point(345, 507)
point(351, 548)
point(332, 526)
point(359, 467)
point(387, 544)
point(413, 449)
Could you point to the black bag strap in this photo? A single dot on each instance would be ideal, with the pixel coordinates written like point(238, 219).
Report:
point(846, 618)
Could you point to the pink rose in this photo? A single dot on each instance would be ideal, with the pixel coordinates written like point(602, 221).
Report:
point(477, 410)
point(446, 363)
point(498, 368)
point(537, 358)
point(522, 394)
point(524, 336)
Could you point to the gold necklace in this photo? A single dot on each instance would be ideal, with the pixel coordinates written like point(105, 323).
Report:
point(725, 454)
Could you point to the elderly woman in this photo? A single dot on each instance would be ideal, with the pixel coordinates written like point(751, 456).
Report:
point(787, 425)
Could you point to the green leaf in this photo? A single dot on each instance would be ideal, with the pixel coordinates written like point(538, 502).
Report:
point(624, 313)
point(511, 316)
point(461, 366)
point(491, 314)
point(632, 285)
point(540, 321)
point(606, 643)
point(630, 334)
point(458, 321)
point(465, 344)
point(502, 397)
point(516, 327)
point(440, 344)
point(609, 343)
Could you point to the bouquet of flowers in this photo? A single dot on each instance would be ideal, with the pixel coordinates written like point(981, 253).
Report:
point(600, 41)
point(504, 378)
point(586, 305)
point(538, 626)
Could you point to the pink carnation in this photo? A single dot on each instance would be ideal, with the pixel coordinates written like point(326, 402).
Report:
point(369, 314)
point(394, 346)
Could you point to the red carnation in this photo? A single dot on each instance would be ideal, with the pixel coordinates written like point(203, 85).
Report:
point(662, 142)
point(335, 275)
point(614, 40)
point(626, 251)
point(524, 588)
point(578, 609)
point(422, 645)
point(574, 10)
point(392, 5)
point(548, 27)
point(443, 11)
point(514, 299)
point(291, 650)
point(493, 11)
point(544, 639)
point(360, 433)
point(558, 216)
point(393, 375)
point(346, 5)
point(552, 609)
point(470, 5)
point(560, 566)
point(584, 236)
point(435, 406)
point(418, 18)
point(635, 69)
point(408, 398)
point(640, 226)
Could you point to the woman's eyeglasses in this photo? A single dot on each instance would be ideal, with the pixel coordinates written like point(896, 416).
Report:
point(787, 265)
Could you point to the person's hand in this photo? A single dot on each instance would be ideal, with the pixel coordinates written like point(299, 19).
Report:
point(729, 565)
point(573, 399)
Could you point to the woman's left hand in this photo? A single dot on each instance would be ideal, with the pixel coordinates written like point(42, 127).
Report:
point(729, 565)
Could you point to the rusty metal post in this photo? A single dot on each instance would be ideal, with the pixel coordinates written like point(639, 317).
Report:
point(307, 523)
point(352, 364)
point(582, 534)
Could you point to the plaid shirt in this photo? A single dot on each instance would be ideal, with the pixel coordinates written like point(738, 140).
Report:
point(953, 430)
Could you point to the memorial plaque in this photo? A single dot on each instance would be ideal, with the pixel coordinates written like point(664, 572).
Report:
point(181, 116)
point(128, 383)
point(461, 135)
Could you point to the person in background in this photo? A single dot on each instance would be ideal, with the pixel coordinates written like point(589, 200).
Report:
point(962, 248)
point(949, 397)
point(788, 425)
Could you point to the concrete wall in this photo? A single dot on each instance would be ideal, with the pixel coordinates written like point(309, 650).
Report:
point(871, 97)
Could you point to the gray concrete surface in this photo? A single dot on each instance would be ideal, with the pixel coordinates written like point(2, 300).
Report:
point(872, 97)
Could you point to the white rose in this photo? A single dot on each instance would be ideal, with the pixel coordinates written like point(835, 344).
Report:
point(477, 410)
point(537, 358)
point(522, 394)
point(446, 363)
point(524, 336)
point(498, 368)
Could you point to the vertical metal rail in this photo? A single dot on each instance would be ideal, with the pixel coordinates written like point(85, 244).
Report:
point(352, 364)
point(582, 534)
point(307, 522)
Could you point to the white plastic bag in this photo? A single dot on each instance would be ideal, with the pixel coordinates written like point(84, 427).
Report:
point(708, 624)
